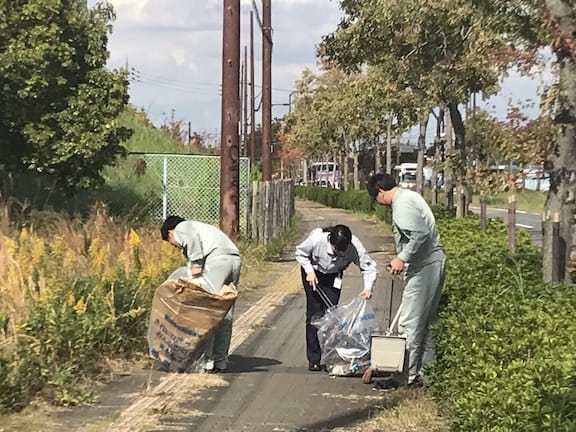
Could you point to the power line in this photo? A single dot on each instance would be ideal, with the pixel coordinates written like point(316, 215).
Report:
point(137, 74)
point(172, 85)
point(175, 87)
point(141, 74)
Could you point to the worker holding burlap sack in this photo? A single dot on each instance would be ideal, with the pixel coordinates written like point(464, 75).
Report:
point(213, 262)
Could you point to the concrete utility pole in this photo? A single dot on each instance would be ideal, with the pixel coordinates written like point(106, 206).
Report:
point(245, 103)
point(266, 90)
point(230, 117)
point(252, 153)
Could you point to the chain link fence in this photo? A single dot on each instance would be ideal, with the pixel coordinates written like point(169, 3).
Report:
point(186, 185)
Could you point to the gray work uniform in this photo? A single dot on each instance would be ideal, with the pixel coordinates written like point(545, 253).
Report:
point(206, 246)
point(418, 245)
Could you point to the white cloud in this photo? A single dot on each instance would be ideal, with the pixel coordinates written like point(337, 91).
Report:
point(174, 47)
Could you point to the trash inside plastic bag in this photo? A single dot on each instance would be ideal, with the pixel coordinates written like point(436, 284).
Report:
point(344, 334)
point(201, 281)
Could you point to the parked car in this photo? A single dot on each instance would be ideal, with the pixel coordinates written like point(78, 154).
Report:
point(530, 182)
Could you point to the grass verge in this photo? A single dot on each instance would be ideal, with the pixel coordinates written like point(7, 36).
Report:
point(529, 201)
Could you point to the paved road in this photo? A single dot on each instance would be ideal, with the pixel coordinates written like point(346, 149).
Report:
point(531, 222)
point(270, 388)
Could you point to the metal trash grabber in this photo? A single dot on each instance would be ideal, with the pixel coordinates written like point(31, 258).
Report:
point(324, 297)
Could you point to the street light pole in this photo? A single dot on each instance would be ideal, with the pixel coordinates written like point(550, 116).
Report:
point(293, 92)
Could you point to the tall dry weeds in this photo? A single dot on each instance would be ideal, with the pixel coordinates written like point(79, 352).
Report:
point(52, 247)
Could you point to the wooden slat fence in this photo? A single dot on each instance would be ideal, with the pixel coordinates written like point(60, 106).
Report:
point(271, 209)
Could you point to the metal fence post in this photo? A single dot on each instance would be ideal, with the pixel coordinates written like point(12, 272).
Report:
point(164, 188)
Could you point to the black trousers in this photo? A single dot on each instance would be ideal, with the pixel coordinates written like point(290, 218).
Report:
point(315, 308)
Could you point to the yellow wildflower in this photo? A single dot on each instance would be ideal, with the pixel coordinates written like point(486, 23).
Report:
point(133, 313)
point(99, 254)
point(58, 247)
point(70, 300)
point(80, 306)
point(133, 239)
point(10, 245)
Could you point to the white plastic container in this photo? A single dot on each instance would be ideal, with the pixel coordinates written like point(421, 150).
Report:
point(387, 353)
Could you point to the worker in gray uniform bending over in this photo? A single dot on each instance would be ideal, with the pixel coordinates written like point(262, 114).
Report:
point(421, 258)
point(211, 254)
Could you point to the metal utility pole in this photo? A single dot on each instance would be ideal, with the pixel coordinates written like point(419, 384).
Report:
point(266, 90)
point(252, 97)
point(245, 103)
point(229, 142)
point(242, 96)
point(189, 140)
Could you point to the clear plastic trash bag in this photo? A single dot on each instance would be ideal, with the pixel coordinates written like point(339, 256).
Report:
point(344, 333)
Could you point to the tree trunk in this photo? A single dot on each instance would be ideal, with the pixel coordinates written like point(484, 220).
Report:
point(341, 161)
point(448, 156)
point(460, 154)
point(356, 169)
point(333, 180)
point(398, 152)
point(421, 151)
point(346, 170)
point(563, 174)
point(389, 146)
point(437, 156)
point(378, 154)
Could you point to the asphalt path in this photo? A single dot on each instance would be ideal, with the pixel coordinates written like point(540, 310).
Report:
point(269, 385)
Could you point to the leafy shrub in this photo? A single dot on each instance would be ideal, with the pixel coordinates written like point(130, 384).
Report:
point(506, 341)
point(442, 212)
point(10, 391)
point(354, 200)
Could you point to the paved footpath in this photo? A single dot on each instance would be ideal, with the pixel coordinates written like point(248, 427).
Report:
point(268, 386)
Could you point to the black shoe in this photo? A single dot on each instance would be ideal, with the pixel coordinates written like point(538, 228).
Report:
point(323, 368)
point(386, 384)
point(314, 367)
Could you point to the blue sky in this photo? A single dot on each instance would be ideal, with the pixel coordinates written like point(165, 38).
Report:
point(173, 48)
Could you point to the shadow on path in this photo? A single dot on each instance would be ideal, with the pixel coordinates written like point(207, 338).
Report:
point(250, 364)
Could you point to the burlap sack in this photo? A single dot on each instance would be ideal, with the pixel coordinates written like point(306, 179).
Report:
point(182, 316)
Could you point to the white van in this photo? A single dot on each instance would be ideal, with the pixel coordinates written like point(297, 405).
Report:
point(405, 175)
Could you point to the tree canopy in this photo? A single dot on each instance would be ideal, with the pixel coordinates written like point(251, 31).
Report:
point(58, 102)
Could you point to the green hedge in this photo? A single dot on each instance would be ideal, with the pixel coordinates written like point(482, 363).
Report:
point(355, 200)
point(506, 341)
